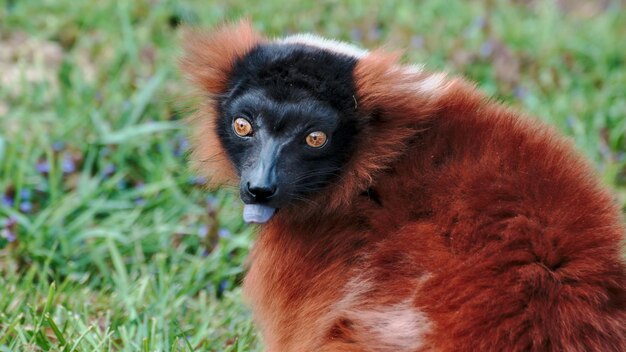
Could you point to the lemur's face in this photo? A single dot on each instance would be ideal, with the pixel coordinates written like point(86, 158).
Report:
point(288, 122)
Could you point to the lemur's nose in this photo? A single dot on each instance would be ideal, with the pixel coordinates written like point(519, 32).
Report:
point(261, 192)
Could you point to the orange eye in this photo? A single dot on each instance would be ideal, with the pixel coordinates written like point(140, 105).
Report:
point(316, 139)
point(242, 127)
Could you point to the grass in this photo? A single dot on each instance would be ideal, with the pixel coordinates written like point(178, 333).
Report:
point(107, 242)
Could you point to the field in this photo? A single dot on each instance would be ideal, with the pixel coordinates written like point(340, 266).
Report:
point(109, 243)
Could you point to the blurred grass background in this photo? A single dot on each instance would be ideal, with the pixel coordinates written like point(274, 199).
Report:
point(107, 242)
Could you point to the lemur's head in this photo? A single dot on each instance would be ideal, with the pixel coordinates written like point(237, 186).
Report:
point(288, 118)
point(287, 121)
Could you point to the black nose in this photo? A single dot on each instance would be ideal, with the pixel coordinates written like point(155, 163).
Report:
point(261, 192)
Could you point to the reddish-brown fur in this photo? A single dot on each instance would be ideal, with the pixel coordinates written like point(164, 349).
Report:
point(494, 234)
point(208, 62)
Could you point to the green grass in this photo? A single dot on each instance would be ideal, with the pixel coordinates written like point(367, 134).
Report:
point(107, 242)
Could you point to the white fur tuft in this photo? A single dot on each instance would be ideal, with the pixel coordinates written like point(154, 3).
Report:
point(431, 84)
point(393, 327)
point(323, 43)
point(414, 69)
point(399, 327)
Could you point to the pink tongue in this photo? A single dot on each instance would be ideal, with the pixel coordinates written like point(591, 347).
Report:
point(257, 213)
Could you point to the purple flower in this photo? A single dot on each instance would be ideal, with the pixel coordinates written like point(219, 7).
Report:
point(222, 287)
point(58, 146)
point(203, 231)
point(197, 181)
point(520, 92)
point(43, 167)
point(7, 200)
point(68, 165)
point(479, 22)
point(223, 233)
point(26, 207)
point(356, 34)
point(417, 41)
point(211, 200)
point(182, 146)
point(570, 121)
point(374, 33)
point(8, 234)
point(109, 169)
point(25, 193)
point(140, 201)
point(486, 49)
point(9, 229)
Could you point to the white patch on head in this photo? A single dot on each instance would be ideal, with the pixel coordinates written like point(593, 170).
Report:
point(326, 44)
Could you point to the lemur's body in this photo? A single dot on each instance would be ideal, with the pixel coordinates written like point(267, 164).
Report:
point(442, 221)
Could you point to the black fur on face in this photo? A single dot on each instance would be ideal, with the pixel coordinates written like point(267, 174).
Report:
point(286, 92)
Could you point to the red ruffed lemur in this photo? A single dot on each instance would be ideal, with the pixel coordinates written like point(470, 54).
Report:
point(403, 209)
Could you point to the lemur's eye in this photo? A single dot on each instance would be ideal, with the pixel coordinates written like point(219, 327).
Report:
point(316, 139)
point(242, 127)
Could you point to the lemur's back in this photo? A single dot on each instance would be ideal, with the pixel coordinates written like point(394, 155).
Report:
point(489, 234)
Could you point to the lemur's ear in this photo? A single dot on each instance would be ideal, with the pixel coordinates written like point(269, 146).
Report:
point(208, 61)
point(393, 99)
point(376, 75)
point(209, 56)
point(397, 91)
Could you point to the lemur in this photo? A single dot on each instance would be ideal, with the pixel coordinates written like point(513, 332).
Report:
point(401, 209)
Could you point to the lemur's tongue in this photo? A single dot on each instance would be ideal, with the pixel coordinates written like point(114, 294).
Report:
point(257, 213)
